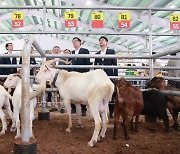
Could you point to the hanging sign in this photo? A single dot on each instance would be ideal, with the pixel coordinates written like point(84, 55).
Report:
point(70, 19)
point(124, 20)
point(17, 19)
point(97, 20)
point(175, 22)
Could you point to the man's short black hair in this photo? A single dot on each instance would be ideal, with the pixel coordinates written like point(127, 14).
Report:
point(68, 50)
point(77, 38)
point(173, 54)
point(7, 44)
point(153, 53)
point(103, 37)
point(56, 47)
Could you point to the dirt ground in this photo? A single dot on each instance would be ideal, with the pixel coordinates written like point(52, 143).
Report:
point(52, 138)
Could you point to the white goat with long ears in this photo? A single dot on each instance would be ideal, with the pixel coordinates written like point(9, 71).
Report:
point(93, 88)
point(4, 102)
point(14, 81)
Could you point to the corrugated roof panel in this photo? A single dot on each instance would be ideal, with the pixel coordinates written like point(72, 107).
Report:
point(114, 2)
point(162, 3)
point(144, 3)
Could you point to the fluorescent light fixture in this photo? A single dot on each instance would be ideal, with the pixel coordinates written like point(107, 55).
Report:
point(4, 3)
point(88, 2)
point(172, 6)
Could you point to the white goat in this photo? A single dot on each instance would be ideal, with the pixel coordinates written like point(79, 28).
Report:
point(4, 101)
point(14, 81)
point(92, 88)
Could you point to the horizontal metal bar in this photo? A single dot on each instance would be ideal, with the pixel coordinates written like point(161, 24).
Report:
point(160, 54)
point(93, 32)
point(166, 92)
point(170, 92)
point(74, 32)
point(133, 51)
point(95, 66)
point(90, 56)
point(92, 8)
point(129, 78)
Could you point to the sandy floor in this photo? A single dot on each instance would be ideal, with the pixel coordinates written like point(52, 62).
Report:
point(52, 138)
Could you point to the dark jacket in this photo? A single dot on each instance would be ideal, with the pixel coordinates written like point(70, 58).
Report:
point(32, 62)
point(7, 61)
point(100, 61)
point(81, 61)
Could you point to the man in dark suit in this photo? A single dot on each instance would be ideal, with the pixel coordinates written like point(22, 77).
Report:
point(6, 61)
point(101, 61)
point(9, 70)
point(80, 61)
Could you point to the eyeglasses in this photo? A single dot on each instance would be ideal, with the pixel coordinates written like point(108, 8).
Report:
point(74, 41)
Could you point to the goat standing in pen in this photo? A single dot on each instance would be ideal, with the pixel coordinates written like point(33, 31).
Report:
point(14, 81)
point(128, 103)
point(92, 88)
point(4, 102)
point(173, 101)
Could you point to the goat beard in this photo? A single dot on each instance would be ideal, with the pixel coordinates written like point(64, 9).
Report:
point(42, 86)
point(38, 91)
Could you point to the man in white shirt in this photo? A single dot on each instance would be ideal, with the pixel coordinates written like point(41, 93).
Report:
point(104, 50)
point(79, 61)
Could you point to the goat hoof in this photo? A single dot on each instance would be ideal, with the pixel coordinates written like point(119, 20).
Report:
point(17, 136)
point(68, 130)
point(100, 138)
point(91, 143)
point(132, 128)
point(127, 138)
point(13, 129)
point(166, 130)
point(176, 127)
point(2, 133)
point(32, 136)
point(114, 138)
point(80, 125)
point(136, 130)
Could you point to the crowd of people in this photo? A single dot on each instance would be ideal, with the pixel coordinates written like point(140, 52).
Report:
point(78, 49)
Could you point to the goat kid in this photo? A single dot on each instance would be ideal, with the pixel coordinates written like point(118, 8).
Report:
point(129, 103)
point(4, 97)
point(173, 101)
point(14, 81)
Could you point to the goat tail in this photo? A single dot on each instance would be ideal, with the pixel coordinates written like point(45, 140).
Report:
point(111, 91)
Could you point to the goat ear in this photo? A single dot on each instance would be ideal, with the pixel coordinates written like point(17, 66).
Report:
point(17, 74)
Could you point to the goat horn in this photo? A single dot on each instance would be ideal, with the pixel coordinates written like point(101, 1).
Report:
point(49, 62)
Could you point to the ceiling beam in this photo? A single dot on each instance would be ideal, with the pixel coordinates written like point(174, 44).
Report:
point(160, 22)
point(84, 38)
point(80, 23)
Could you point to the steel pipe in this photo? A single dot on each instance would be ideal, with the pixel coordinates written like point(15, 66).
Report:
point(92, 8)
point(170, 92)
point(25, 100)
point(89, 56)
point(160, 54)
point(93, 32)
point(96, 67)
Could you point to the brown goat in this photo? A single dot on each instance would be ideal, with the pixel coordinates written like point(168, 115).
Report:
point(128, 103)
point(173, 101)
